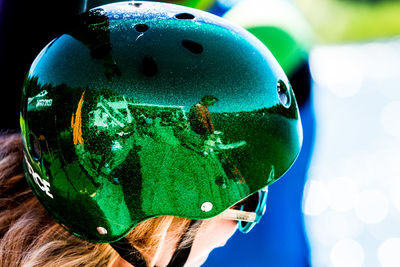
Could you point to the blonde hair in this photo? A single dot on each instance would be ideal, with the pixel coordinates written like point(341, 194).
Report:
point(30, 238)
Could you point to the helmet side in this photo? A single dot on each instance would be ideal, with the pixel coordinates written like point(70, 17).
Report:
point(147, 109)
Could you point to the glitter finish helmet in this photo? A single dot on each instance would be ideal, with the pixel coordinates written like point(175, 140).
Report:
point(147, 109)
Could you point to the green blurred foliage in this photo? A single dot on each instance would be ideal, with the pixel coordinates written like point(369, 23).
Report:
point(336, 21)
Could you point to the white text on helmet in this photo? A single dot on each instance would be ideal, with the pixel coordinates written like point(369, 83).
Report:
point(43, 184)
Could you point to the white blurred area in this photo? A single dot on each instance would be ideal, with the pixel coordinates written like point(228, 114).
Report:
point(352, 198)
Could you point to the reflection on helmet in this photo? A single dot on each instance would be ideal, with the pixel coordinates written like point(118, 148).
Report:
point(150, 109)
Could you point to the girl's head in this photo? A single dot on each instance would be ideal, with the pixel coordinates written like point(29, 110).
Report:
point(30, 237)
point(106, 173)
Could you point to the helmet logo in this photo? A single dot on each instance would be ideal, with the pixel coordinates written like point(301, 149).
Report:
point(40, 101)
point(43, 184)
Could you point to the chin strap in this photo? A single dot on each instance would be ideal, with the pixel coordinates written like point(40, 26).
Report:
point(134, 257)
point(129, 252)
point(181, 255)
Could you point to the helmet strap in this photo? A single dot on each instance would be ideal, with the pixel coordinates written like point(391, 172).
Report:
point(129, 253)
point(181, 254)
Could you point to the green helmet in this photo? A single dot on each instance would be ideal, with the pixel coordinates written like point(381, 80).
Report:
point(198, 4)
point(146, 109)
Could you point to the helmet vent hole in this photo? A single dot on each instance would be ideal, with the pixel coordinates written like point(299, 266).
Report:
point(149, 67)
point(135, 4)
point(283, 94)
point(193, 47)
point(184, 16)
point(141, 27)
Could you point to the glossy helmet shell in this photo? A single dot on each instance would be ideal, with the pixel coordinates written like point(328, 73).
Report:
point(148, 109)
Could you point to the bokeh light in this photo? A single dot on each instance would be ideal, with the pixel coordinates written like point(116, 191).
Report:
point(317, 200)
point(395, 194)
point(352, 197)
point(390, 118)
point(342, 80)
point(347, 253)
point(389, 253)
point(372, 206)
point(343, 191)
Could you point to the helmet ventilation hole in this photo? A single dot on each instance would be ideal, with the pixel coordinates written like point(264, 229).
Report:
point(135, 4)
point(149, 67)
point(193, 47)
point(184, 16)
point(283, 94)
point(141, 27)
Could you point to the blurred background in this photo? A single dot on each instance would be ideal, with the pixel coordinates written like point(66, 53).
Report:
point(340, 203)
point(352, 196)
